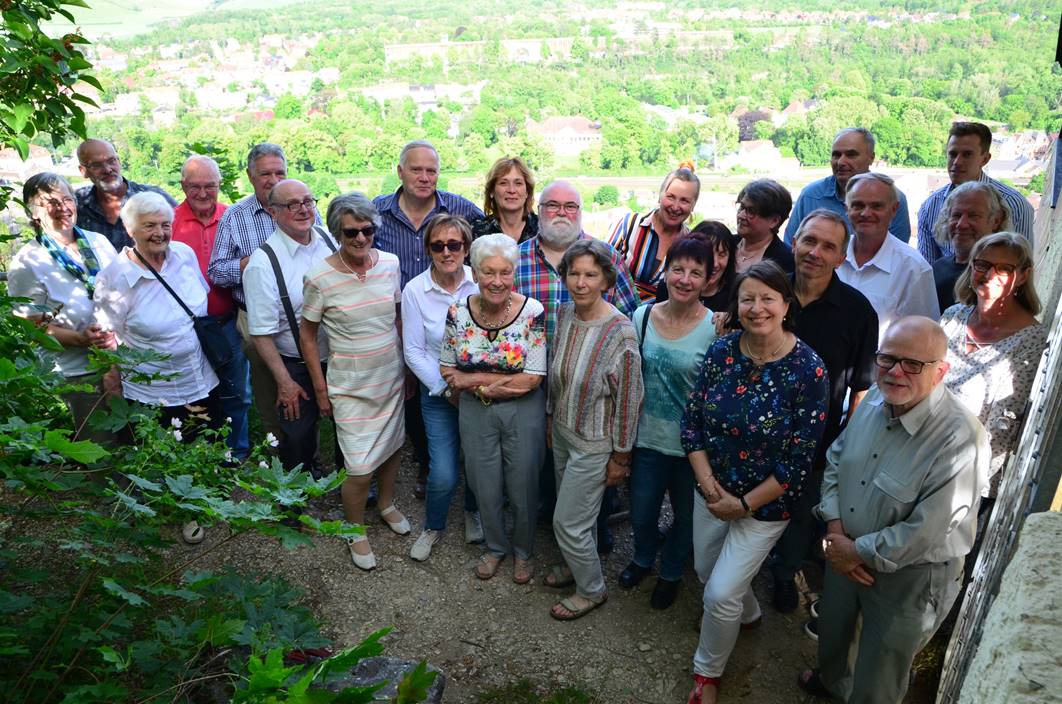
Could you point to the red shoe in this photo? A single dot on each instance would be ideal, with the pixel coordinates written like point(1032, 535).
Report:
point(699, 681)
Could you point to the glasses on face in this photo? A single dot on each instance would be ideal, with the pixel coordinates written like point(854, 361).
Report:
point(297, 205)
point(909, 366)
point(552, 206)
point(750, 211)
point(204, 187)
point(452, 245)
point(98, 165)
point(983, 266)
point(368, 231)
point(55, 203)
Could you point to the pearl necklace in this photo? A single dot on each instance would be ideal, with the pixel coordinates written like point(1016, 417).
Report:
point(505, 316)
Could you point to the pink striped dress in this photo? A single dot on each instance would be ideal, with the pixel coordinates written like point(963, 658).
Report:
point(365, 368)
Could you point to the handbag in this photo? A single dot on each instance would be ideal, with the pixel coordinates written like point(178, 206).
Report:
point(208, 328)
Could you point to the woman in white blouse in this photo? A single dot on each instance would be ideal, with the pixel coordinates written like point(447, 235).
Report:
point(143, 315)
point(425, 302)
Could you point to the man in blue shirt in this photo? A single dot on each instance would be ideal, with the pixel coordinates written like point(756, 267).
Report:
point(852, 154)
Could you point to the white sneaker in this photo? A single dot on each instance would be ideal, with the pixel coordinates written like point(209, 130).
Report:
point(422, 547)
point(473, 527)
point(365, 562)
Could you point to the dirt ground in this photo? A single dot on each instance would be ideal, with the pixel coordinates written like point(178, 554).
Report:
point(485, 634)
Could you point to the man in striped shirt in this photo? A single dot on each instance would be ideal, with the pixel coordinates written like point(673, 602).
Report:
point(969, 145)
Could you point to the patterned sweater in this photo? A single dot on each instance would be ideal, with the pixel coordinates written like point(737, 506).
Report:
point(595, 381)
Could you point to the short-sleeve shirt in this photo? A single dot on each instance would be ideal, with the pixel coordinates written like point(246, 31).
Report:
point(518, 347)
point(636, 241)
point(189, 229)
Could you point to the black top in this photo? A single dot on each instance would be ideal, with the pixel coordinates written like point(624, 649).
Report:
point(488, 225)
point(946, 271)
point(842, 327)
point(780, 253)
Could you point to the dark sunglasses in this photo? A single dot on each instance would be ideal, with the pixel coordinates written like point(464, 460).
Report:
point(352, 232)
point(452, 245)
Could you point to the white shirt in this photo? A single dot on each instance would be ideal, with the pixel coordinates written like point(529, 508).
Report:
point(424, 307)
point(265, 312)
point(897, 281)
point(143, 315)
point(36, 275)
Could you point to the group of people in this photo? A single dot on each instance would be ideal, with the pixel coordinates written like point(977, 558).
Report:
point(782, 392)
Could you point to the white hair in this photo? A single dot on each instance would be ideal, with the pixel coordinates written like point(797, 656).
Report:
point(202, 161)
point(142, 204)
point(496, 245)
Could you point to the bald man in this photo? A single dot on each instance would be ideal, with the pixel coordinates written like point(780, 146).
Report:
point(899, 498)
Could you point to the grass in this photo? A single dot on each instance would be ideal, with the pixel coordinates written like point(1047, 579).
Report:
point(526, 692)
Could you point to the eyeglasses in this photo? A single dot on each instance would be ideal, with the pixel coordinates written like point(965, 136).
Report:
point(208, 187)
point(54, 203)
point(749, 210)
point(909, 366)
point(553, 206)
point(294, 206)
point(97, 165)
point(368, 231)
point(983, 266)
point(452, 245)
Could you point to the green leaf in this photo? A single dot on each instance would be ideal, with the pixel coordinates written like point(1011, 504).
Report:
point(133, 505)
point(132, 598)
point(82, 451)
point(337, 528)
point(345, 660)
point(145, 484)
point(12, 603)
point(414, 685)
point(121, 664)
point(182, 486)
point(218, 630)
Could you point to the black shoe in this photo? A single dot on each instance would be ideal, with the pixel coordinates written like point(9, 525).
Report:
point(811, 629)
point(632, 575)
point(786, 596)
point(604, 541)
point(664, 593)
point(810, 682)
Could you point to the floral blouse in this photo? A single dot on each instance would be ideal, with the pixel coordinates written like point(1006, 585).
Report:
point(758, 421)
point(518, 347)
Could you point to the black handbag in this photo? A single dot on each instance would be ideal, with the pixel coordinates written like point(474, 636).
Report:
point(208, 328)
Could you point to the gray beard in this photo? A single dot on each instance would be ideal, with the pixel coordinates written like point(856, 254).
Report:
point(557, 238)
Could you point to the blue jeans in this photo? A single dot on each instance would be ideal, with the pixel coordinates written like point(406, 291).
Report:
point(444, 453)
point(235, 392)
point(653, 473)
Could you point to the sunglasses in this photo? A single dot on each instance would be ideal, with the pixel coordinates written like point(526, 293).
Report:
point(352, 232)
point(452, 245)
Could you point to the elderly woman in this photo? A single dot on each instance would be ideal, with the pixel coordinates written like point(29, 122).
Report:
point(995, 343)
point(971, 211)
point(57, 271)
point(762, 206)
point(493, 359)
point(643, 240)
point(507, 199)
point(426, 300)
point(595, 393)
point(717, 289)
point(355, 294)
point(132, 301)
point(673, 336)
point(750, 430)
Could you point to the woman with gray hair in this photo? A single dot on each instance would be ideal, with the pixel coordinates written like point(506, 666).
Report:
point(355, 294)
point(493, 359)
point(595, 395)
point(971, 211)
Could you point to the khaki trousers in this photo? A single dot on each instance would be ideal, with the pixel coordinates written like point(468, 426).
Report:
point(263, 385)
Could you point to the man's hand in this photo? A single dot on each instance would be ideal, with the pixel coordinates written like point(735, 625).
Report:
point(844, 559)
point(288, 395)
point(615, 471)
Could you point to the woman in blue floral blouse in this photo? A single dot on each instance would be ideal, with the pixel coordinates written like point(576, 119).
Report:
point(750, 431)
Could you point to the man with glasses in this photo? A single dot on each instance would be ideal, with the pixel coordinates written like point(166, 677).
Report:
point(900, 497)
point(195, 222)
point(298, 246)
point(99, 206)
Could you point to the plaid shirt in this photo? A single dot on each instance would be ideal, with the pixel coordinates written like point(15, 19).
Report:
point(536, 278)
point(398, 236)
point(242, 230)
point(90, 216)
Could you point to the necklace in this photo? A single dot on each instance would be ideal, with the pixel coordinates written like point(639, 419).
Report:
point(505, 315)
point(760, 359)
point(758, 252)
point(361, 276)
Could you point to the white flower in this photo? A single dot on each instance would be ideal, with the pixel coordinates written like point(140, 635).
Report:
point(163, 402)
point(175, 422)
point(263, 464)
point(272, 440)
point(228, 419)
point(177, 434)
point(228, 455)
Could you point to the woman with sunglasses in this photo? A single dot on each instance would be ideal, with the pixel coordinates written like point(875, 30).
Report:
point(355, 294)
point(425, 302)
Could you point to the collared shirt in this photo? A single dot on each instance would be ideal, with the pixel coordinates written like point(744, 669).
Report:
point(489, 225)
point(424, 308)
point(37, 276)
point(896, 281)
point(144, 315)
point(189, 229)
point(842, 327)
point(823, 194)
point(242, 230)
point(536, 278)
point(1021, 217)
point(907, 489)
point(398, 236)
point(638, 243)
point(90, 215)
point(265, 312)
point(946, 273)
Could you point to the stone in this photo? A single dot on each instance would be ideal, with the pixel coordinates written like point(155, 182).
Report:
point(391, 670)
point(644, 647)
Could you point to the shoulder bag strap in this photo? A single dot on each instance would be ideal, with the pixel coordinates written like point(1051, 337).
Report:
point(645, 324)
point(285, 299)
point(325, 236)
point(163, 282)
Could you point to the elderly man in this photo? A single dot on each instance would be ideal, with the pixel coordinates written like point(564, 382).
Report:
point(892, 276)
point(195, 222)
point(852, 154)
point(900, 498)
point(279, 265)
point(99, 205)
point(839, 323)
point(971, 211)
point(969, 149)
point(405, 214)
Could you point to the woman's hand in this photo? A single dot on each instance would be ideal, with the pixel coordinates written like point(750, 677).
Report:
point(459, 380)
point(618, 468)
point(721, 321)
point(726, 507)
point(324, 405)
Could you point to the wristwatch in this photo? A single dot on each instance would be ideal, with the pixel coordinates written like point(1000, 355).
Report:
point(745, 505)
